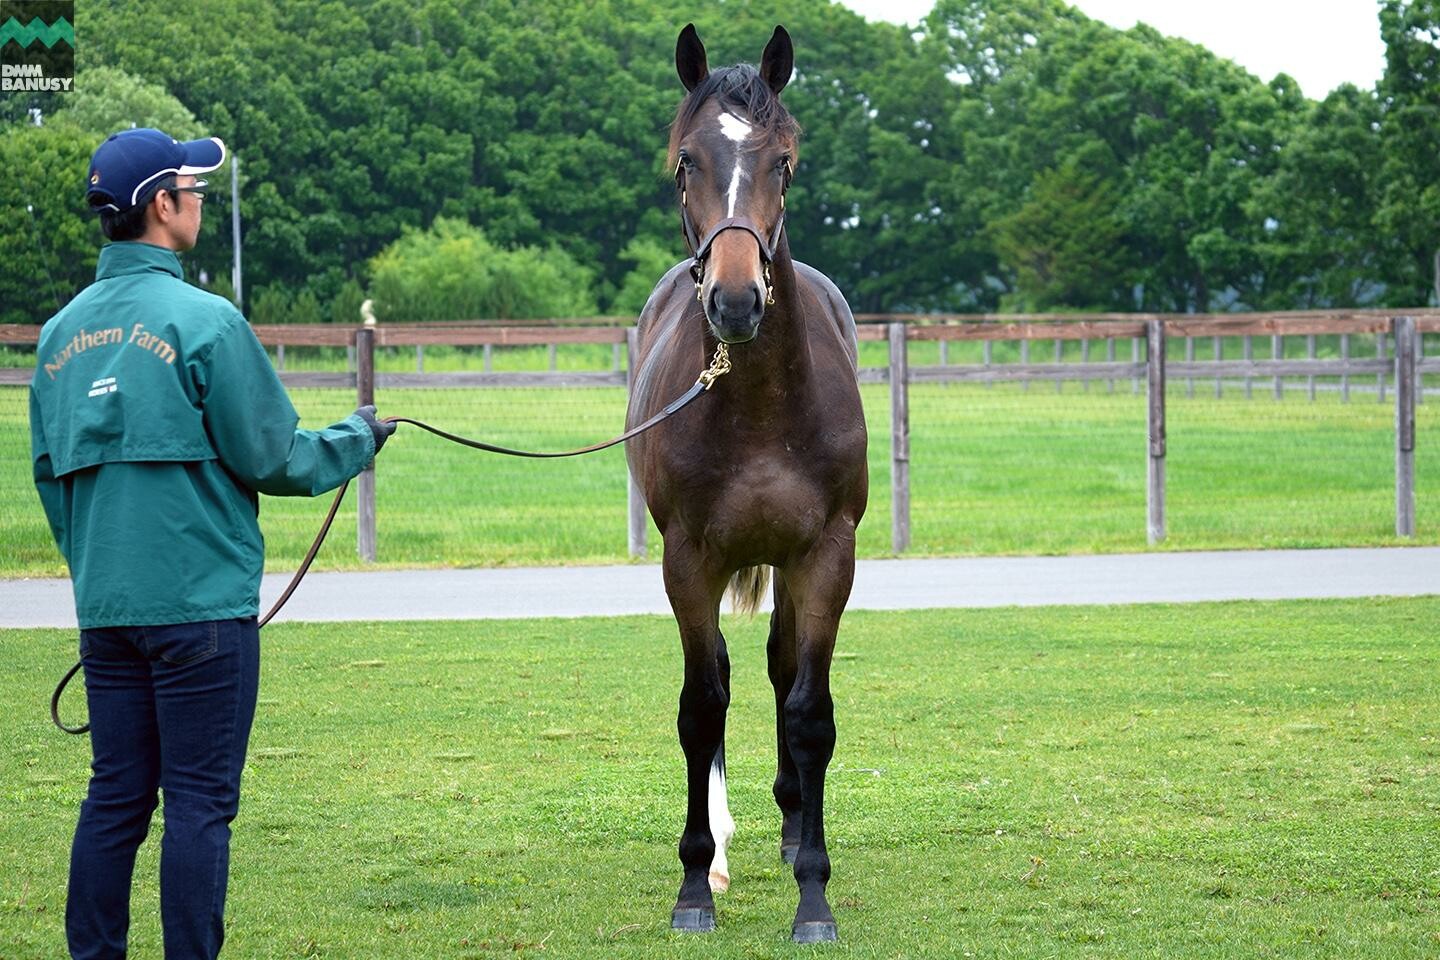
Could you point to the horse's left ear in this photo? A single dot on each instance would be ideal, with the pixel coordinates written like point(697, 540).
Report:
point(778, 60)
point(690, 58)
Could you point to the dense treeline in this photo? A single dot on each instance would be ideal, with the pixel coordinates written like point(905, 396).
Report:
point(466, 158)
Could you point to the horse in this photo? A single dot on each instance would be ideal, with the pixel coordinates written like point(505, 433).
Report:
point(767, 471)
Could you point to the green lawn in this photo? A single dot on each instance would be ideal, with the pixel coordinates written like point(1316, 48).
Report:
point(994, 470)
point(1216, 780)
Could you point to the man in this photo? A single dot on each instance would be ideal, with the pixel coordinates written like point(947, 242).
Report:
point(155, 419)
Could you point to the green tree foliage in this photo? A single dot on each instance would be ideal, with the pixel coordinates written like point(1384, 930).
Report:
point(1008, 152)
point(1066, 245)
point(453, 272)
point(271, 305)
point(1318, 248)
point(651, 260)
point(1409, 215)
point(1184, 137)
point(48, 240)
point(107, 100)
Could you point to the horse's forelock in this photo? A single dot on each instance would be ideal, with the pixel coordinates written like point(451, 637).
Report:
point(741, 88)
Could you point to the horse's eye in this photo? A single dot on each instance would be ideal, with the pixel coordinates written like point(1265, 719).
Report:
point(686, 161)
point(784, 167)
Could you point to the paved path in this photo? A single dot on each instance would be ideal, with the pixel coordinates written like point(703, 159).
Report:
point(879, 585)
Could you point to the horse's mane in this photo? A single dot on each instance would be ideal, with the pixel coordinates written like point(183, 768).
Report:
point(741, 88)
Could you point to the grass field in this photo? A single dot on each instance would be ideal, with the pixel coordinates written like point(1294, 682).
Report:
point(994, 470)
point(1188, 781)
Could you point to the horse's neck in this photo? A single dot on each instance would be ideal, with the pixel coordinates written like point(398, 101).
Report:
point(778, 360)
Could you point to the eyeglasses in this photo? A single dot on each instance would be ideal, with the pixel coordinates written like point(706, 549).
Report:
point(197, 188)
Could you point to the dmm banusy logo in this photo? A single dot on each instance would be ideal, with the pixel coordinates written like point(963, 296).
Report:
point(37, 45)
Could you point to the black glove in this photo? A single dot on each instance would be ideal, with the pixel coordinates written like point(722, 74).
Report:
point(380, 428)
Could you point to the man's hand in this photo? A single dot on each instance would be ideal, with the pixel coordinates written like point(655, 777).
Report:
point(381, 429)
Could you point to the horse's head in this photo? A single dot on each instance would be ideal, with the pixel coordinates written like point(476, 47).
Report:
point(732, 148)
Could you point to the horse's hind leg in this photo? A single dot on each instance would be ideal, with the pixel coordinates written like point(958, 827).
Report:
point(781, 654)
point(701, 723)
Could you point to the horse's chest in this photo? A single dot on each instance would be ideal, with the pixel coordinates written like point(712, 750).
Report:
point(764, 506)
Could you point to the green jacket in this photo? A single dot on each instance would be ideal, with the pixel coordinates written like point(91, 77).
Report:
point(155, 417)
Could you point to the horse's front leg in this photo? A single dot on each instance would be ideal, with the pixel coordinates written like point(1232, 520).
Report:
point(704, 697)
point(819, 585)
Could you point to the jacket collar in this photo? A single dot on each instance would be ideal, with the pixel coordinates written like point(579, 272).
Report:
point(132, 257)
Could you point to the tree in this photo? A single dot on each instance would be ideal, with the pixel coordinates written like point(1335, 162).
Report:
point(1066, 245)
point(1318, 208)
point(652, 261)
point(1409, 145)
point(49, 241)
point(453, 272)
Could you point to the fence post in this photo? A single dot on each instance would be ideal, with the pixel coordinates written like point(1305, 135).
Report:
point(1189, 357)
point(365, 486)
point(1277, 352)
point(1380, 355)
point(1155, 475)
point(899, 441)
point(1344, 377)
point(635, 499)
point(1310, 354)
point(1404, 328)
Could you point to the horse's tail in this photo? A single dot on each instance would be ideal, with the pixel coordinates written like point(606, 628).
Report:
point(748, 587)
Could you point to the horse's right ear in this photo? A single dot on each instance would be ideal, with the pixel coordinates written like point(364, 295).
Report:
point(690, 58)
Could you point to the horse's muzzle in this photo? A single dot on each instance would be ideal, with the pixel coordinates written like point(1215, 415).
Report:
point(735, 314)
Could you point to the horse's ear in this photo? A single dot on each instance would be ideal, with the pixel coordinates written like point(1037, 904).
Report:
point(690, 58)
point(778, 61)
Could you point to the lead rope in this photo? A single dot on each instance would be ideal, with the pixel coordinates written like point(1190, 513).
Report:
point(719, 366)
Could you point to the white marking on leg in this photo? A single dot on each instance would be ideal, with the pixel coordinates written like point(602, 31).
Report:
point(722, 828)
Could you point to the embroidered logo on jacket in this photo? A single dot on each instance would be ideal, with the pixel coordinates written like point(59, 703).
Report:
point(103, 386)
point(111, 337)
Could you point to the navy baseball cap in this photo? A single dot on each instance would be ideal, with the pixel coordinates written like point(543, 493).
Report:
point(126, 166)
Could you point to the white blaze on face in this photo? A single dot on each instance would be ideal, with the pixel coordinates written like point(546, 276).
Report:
point(722, 828)
point(738, 131)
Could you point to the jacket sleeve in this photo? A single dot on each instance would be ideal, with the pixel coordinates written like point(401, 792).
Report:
point(254, 426)
point(46, 484)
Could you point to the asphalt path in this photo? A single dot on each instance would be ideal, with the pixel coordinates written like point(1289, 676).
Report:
point(879, 585)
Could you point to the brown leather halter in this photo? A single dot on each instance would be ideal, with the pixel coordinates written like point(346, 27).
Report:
point(700, 249)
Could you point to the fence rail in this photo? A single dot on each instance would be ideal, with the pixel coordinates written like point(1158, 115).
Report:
point(1398, 356)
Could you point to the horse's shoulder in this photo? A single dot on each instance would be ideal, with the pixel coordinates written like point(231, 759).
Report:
point(824, 290)
point(659, 306)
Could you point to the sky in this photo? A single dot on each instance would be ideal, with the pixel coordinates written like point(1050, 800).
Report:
point(1321, 50)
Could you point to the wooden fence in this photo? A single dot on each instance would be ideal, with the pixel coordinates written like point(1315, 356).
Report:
point(1398, 355)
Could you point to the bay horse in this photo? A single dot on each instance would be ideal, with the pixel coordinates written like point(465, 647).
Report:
point(768, 471)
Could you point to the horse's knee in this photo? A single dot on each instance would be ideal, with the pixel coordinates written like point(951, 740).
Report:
point(810, 726)
point(702, 712)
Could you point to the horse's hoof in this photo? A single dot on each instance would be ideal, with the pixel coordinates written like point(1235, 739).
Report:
point(788, 853)
point(694, 919)
point(719, 882)
point(815, 931)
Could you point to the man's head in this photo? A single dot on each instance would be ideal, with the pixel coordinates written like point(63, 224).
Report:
point(137, 183)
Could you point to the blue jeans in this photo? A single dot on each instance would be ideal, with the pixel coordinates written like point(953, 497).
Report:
point(170, 709)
